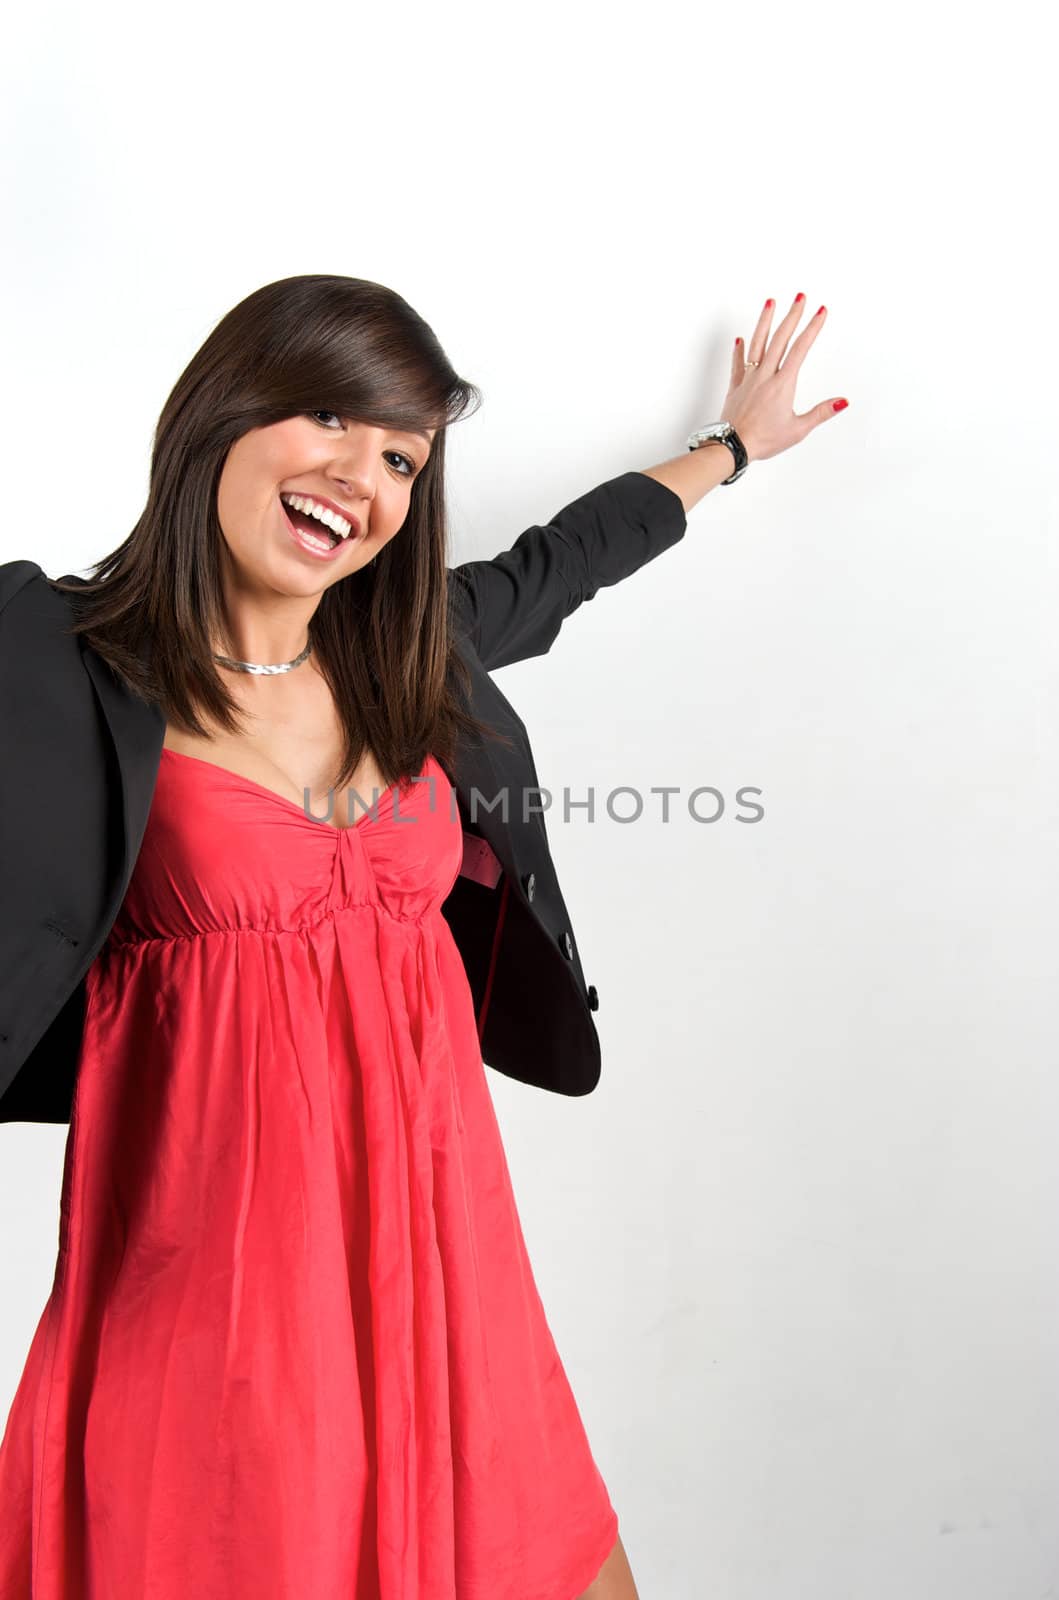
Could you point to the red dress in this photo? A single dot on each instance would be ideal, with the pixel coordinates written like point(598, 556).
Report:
point(294, 1349)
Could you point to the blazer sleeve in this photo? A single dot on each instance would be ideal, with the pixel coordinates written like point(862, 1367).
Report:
point(513, 606)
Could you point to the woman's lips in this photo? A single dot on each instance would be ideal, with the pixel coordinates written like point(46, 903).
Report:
point(311, 549)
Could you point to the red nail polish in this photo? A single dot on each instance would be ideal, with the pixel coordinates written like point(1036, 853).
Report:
point(840, 405)
point(798, 297)
point(820, 309)
point(768, 303)
point(738, 340)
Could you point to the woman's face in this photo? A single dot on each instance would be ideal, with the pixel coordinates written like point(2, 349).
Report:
point(364, 472)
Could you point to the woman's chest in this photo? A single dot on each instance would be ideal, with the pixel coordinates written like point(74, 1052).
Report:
point(301, 770)
point(293, 744)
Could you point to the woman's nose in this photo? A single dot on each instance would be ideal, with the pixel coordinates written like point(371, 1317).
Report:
point(355, 479)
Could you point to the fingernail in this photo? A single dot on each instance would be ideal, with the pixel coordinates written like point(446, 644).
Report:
point(839, 405)
point(738, 340)
point(798, 297)
point(768, 303)
point(819, 309)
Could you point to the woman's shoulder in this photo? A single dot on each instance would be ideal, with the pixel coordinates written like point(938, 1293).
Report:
point(28, 578)
point(14, 575)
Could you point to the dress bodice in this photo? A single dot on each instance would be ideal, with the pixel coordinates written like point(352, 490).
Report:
point(222, 852)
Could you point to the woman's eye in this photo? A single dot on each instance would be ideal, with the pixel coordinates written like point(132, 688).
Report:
point(324, 414)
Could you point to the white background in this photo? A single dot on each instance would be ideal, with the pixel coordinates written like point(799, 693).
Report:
point(799, 1248)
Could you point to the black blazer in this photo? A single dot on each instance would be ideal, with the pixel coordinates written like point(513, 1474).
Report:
point(81, 755)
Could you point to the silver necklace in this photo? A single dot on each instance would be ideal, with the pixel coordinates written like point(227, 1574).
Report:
point(253, 666)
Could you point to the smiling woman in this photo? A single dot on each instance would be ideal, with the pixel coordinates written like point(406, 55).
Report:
point(294, 1344)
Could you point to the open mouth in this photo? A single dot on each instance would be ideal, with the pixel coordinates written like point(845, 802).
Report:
point(316, 532)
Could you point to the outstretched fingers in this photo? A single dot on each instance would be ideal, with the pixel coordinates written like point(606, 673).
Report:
point(760, 400)
point(777, 345)
point(804, 342)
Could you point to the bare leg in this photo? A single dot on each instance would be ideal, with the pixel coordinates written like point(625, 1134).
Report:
point(614, 1580)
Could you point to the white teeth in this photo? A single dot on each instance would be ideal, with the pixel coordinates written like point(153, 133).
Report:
point(317, 544)
point(310, 508)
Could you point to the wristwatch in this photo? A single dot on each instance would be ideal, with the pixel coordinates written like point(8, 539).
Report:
point(722, 433)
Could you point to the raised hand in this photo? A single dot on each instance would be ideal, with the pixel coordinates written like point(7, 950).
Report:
point(760, 399)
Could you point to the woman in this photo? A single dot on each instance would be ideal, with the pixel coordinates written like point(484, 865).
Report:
point(294, 1346)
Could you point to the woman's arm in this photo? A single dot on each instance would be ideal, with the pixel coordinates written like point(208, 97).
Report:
point(512, 606)
point(695, 473)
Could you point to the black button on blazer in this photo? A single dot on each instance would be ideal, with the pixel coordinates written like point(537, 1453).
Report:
point(81, 754)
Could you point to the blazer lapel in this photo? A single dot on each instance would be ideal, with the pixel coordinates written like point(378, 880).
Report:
point(136, 732)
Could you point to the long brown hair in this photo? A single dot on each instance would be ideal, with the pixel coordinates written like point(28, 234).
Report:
point(382, 637)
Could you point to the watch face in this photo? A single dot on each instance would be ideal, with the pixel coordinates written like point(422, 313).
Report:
point(713, 431)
